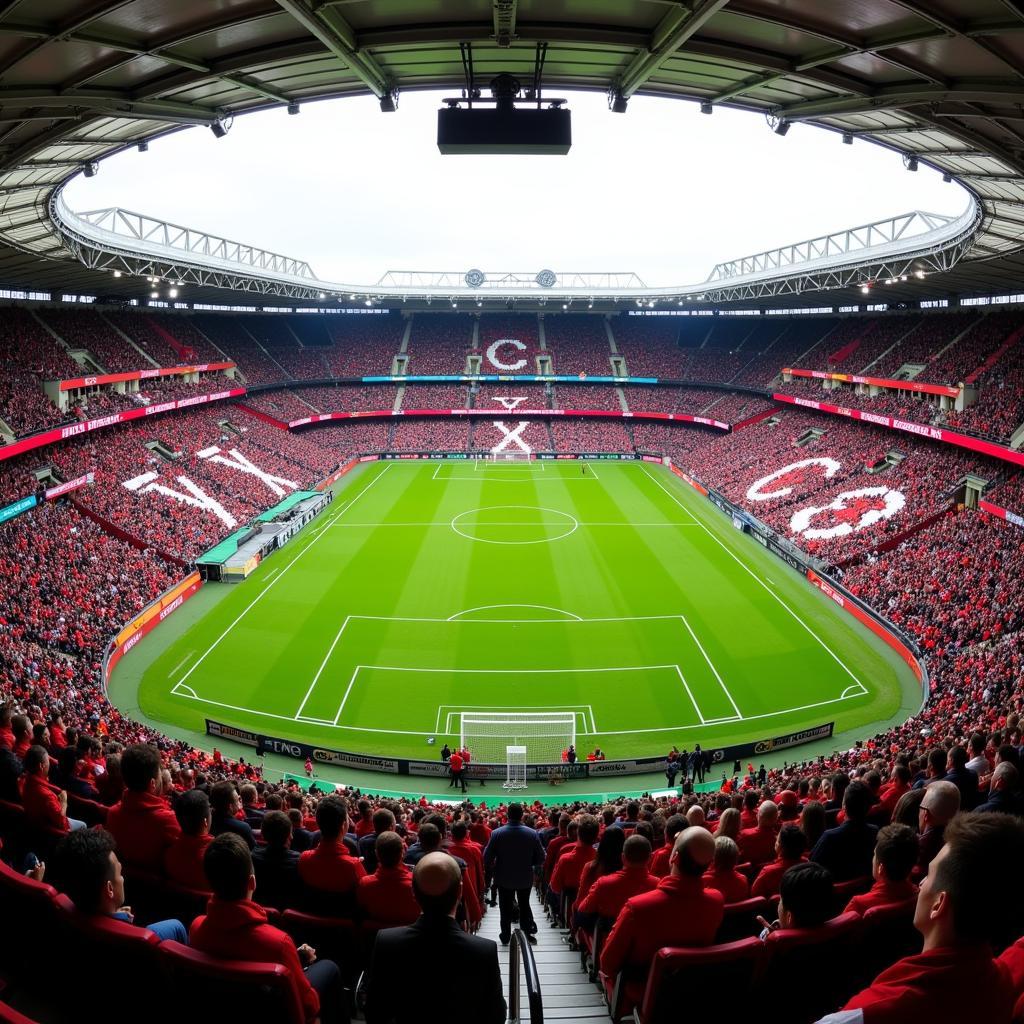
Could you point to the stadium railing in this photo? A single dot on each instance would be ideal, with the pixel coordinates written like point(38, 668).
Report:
point(520, 949)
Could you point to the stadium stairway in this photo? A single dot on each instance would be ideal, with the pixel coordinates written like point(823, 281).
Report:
point(567, 994)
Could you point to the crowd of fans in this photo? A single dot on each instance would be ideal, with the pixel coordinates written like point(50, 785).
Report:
point(591, 436)
point(579, 344)
point(488, 396)
point(435, 396)
point(934, 334)
point(438, 435)
point(999, 410)
point(586, 396)
point(439, 343)
point(918, 408)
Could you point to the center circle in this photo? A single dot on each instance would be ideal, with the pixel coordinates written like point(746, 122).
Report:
point(514, 524)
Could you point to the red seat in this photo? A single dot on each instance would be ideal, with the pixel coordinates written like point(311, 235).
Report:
point(845, 891)
point(89, 811)
point(8, 1015)
point(204, 990)
point(703, 981)
point(824, 960)
point(90, 945)
point(32, 905)
point(740, 919)
point(888, 935)
point(334, 938)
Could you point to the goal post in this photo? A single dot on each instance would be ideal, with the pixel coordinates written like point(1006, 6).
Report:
point(511, 457)
point(545, 735)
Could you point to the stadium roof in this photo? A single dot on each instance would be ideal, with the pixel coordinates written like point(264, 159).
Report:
point(82, 79)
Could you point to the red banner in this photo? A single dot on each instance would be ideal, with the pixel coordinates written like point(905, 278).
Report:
point(974, 444)
point(68, 486)
point(699, 487)
point(27, 444)
point(119, 378)
point(882, 382)
point(1001, 513)
point(151, 617)
point(676, 417)
point(873, 624)
point(280, 424)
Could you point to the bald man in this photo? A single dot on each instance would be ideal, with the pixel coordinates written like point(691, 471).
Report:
point(407, 962)
point(938, 808)
point(680, 912)
point(757, 845)
point(1004, 791)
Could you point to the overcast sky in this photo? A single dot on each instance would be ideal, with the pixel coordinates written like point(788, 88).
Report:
point(662, 190)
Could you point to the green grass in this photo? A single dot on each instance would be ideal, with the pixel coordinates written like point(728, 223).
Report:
point(432, 588)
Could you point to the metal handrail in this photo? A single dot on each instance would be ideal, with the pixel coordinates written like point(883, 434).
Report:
point(520, 947)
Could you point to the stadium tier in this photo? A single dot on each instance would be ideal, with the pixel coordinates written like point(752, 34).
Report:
point(511, 645)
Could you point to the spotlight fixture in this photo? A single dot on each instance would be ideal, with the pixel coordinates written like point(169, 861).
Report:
point(143, 145)
point(910, 161)
point(865, 288)
point(919, 274)
point(706, 107)
point(89, 169)
point(782, 128)
point(847, 138)
point(293, 108)
point(154, 295)
point(323, 295)
point(947, 177)
point(219, 128)
point(117, 273)
point(565, 305)
point(389, 102)
point(617, 103)
point(173, 293)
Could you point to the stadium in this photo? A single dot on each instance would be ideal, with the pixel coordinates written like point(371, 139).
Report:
point(525, 645)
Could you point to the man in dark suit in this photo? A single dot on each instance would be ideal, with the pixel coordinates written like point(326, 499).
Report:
point(847, 850)
point(514, 855)
point(276, 864)
point(421, 953)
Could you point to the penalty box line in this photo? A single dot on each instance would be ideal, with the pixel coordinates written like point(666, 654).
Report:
point(738, 716)
point(470, 709)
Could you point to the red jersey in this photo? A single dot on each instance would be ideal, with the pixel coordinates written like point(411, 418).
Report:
point(386, 896)
point(882, 894)
point(608, 894)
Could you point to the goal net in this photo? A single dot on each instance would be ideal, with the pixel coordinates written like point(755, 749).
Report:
point(544, 735)
point(511, 457)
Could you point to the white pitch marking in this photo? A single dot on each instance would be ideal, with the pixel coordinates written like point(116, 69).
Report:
point(569, 616)
point(696, 707)
point(414, 732)
point(323, 665)
point(711, 665)
point(180, 664)
point(266, 590)
point(842, 664)
point(271, 575)
point(184, 691)
point(347, 692)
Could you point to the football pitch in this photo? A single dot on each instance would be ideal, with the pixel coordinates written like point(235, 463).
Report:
point(614, 593)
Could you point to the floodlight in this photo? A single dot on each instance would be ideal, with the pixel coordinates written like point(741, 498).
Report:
point(173, 293)
point(293, 108)
point(910, 161)
point(154, 295)
point(89, 169)
point(706, 107)
point(617, 103)
point(389, 103)
point(219, 128)
point(323, 295)
point(143, 145)
point(117, 273)
point(847, 138)
point(865, 288)
point(947, 177)
point(782, 128)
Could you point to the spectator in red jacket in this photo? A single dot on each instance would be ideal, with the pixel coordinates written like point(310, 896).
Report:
point(680, 912)
point(462, 847)
point(890, 793)
point(570, 865)
point(235, 928)
point(21, 729)
point(894, 859)
point(142, 824)
point(757, 845)
point(790, 849)
point(723, 875)
point(555, 845)
point(329, 874)
point(183, 861)
point(386, 895)
point(609, 893)
point(45, 805)
point(970, 899)
point(660, 861)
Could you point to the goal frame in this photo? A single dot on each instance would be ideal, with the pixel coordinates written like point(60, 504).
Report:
point(501, 726)
point(511, 457)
